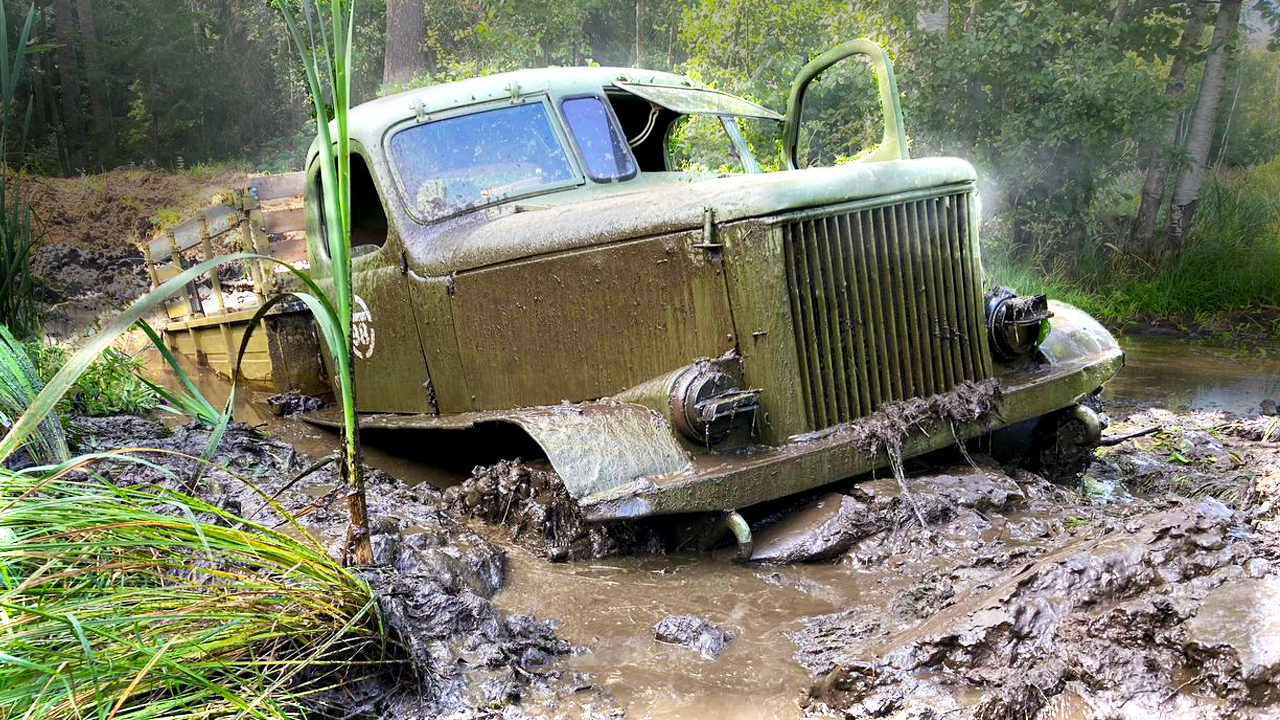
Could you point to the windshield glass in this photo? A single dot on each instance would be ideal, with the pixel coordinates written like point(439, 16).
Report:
point(468, 161)
point(604, 152)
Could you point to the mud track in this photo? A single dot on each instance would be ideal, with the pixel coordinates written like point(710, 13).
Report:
point(1149, 591)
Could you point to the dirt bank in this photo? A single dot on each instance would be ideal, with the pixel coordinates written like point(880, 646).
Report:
point(87, 260)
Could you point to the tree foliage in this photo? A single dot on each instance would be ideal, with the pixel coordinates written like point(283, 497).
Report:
point(1055, 102)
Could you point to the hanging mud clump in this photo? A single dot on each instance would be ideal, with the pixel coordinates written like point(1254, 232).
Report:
point(886, 428)
point(532, 503)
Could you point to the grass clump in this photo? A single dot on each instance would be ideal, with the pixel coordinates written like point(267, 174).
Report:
point(1231, 260)
point(19, 383)
point(111, 385)
point(137, 602)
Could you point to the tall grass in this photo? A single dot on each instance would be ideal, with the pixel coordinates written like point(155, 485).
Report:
point(19, 384)
point(17, 236)
point(120, 603)
point(326, 59)
point(1231, 260)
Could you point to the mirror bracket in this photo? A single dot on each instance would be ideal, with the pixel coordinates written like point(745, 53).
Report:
point(893, 146)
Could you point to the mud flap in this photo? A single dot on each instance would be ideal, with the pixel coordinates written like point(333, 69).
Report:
point(594, 447)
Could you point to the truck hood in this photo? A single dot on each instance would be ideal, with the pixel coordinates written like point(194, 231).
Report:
point(659, 204)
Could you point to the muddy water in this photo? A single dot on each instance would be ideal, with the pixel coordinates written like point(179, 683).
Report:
point(611, 606)
point(391, 454)
point(1180, 376)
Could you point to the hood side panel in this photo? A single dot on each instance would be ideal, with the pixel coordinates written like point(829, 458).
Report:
point(590, 323)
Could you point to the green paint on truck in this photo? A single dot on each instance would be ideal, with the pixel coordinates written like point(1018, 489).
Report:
point(530, 251)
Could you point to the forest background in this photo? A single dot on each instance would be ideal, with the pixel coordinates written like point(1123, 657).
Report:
point(1128, 149)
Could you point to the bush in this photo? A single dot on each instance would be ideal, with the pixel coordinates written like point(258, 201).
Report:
point(1231, 260)
point(110, 386)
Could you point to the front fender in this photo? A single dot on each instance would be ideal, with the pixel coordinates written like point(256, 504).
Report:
point(594, 446)
point(1074, 336)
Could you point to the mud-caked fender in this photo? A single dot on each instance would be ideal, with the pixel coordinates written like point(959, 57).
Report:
point(1076, 337)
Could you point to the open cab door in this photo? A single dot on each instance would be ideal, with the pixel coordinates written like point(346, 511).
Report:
point(819, 80)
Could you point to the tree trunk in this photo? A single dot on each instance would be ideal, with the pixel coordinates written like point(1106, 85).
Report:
point(69, 79)
point(1161, 157)
point(639, 9)
point(934, 17)
point(1200, 132)
point(1121, 12)
point(99, 106)
point(403, 59)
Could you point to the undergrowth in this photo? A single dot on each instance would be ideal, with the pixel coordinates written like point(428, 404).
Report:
point(136, 602)
point(1231, 260)
point(110, 386)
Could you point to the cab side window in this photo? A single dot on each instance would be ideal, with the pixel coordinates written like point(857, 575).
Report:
point(369, 227)
point(604, 152)
point(368, 219)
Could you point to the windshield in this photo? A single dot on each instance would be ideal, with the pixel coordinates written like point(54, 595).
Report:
point(464, 162)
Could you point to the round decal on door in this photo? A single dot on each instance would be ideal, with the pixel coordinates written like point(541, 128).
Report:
point(362, 337)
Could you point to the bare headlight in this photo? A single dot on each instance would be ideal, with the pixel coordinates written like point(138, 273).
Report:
point(1015, 325)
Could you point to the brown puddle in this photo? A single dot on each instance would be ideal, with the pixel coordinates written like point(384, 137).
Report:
point(611, 607)
point(1181, 376)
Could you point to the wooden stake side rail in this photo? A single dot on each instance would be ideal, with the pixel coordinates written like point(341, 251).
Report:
point(204, 327)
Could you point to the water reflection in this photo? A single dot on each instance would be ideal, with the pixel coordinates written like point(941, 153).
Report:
point(1180, 376)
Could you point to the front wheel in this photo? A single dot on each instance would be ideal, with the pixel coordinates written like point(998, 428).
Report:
point(1059, 446)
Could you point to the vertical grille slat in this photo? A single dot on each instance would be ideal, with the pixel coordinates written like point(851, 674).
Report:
point(828, 333)
point(800, 317)
point(845, 322)
point(884, 261)
point(907, 302)
point(963, 306)
point(943, 322)
point(867, 328)
point(886, 305)
point(930, 296)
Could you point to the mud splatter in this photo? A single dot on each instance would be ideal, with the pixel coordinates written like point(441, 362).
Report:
point(532, 503)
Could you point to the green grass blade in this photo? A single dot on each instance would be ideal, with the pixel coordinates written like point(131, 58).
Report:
point(204, 410)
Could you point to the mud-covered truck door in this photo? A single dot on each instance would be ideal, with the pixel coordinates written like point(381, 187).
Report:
point(390, 370)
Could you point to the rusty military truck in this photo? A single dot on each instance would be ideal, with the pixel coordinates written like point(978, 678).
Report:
point(529, 253)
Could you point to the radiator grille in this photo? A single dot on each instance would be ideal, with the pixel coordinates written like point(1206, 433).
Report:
point(886, 305)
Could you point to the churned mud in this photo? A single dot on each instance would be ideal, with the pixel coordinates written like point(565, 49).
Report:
point(964, 589)
point(1023, 599)
point(531, 502)
point(87, 259)
point(434, 577)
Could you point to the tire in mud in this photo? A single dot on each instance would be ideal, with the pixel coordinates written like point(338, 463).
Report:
point(531, 502)
point(1057, 450)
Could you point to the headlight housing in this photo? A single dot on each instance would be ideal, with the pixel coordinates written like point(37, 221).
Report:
point(1015, 325)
